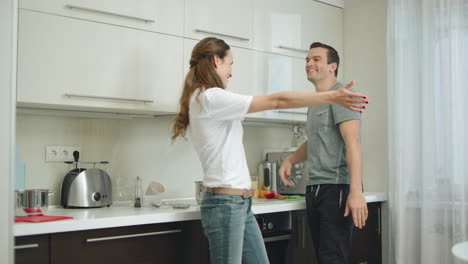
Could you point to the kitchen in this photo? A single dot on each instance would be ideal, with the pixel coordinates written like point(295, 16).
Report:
point(135, 138)
point(140, 146)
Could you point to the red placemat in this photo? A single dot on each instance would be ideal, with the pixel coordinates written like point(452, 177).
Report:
point(40, 218)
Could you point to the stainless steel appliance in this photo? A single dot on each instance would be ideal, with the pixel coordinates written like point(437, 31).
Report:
point(267, 176)
point(299, 175)
point(85, 188)
point(276, 230)
point(199, 190)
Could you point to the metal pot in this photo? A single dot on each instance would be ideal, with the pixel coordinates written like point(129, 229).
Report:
point(31, 202)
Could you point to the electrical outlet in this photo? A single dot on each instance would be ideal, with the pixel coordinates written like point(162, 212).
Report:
point(61, 153)
point(66, 153)
point(52, 153)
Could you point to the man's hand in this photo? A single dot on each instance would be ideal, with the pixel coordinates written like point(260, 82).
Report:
point(357, 204)
point(285, 171)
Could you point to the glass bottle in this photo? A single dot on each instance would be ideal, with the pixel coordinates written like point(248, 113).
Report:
point(138, 192)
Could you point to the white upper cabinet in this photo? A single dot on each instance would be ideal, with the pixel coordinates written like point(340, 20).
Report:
point(258, 73)
point(243, 80)
point(130, 56)
point(337, 3)
point(290, 28)
point(277, 73)
point(152, 15)
point(68, 63)
point(228, 20)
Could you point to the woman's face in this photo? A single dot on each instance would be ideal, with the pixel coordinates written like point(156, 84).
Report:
point(224, 67)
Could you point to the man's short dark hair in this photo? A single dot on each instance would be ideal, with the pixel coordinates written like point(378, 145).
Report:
point(332, 54)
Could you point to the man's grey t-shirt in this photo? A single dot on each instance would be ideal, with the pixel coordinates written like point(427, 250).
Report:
point(326, 152)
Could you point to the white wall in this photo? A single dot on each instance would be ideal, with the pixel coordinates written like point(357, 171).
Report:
point(365, 27)
point(137, 147)
point(7, 119)
point(365, 32)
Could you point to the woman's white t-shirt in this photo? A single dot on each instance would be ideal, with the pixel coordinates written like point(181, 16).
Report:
point(216, 130)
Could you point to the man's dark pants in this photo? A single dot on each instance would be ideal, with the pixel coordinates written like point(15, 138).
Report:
point(331, 231)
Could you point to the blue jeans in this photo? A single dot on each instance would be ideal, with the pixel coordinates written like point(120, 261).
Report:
point(232, 230)
point(331, 231)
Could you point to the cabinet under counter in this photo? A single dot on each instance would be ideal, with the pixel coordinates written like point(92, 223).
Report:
point(181, 242)
point(157, 243)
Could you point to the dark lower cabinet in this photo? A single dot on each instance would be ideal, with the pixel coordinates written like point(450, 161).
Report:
point(196, 243)
point(366, 245)
point(301, 247)
point(32, 249)
point(183, 242)
point(145, 244)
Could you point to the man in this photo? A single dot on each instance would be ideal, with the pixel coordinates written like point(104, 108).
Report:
point(334, 197)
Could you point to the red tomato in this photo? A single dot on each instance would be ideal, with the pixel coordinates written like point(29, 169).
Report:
point(270, 195)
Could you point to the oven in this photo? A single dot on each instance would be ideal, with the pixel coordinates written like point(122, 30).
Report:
point(276, 231)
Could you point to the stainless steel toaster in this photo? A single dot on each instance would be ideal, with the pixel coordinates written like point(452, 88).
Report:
point(299, 175)
point(85, 188)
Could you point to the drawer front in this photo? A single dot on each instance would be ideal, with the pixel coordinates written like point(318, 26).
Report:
point(158, 243)
point(32, 249)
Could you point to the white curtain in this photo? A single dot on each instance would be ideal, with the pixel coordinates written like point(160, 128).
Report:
point(428, 125)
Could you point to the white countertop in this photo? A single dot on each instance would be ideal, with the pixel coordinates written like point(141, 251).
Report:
point(125, 215)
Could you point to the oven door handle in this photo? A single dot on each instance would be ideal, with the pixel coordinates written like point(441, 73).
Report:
point(276, 238)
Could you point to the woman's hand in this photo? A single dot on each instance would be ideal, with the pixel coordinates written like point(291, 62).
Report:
point(348, 99)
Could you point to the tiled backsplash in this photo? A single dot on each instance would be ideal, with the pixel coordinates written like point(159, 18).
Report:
point(134, 147)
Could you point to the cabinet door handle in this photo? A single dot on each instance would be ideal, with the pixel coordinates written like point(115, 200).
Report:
point(293, 49)
point(146, 20)
point(221, 34)
point(379, 227)
point(109, 98)
point(291, 112)
point(277, 238)
point(27, 246)
point(90, 240)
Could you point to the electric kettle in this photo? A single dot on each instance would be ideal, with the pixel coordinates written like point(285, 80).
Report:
point(267, 172)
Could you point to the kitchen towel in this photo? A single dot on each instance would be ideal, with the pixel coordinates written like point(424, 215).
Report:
point(40, 218)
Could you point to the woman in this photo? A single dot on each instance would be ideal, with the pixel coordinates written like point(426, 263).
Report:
point(214, 116)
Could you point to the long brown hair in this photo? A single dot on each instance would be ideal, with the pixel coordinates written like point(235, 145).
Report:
point(202, 74)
